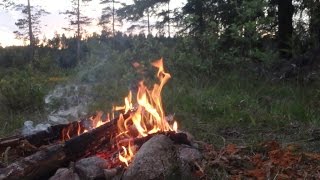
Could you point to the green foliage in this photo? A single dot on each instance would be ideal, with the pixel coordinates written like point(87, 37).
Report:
point(13, 57)
point(31, 19)
point(20, 92)
point(239, 102)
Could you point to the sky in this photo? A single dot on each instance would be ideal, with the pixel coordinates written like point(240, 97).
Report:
point(54, 22)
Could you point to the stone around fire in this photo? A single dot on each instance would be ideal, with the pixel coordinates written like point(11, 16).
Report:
point(156, 159)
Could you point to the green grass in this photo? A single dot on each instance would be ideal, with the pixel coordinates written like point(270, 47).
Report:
point(242, 103)
point(22, 92)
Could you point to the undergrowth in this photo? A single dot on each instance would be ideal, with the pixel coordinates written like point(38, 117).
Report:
point(216, 103)
point(241, 103)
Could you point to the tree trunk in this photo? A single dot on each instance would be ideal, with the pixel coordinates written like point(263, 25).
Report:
point(199, 13)
point(285, 14)
point(169, 19)
point(113, 17)
point(31, 38)
point(78, 32)
point(315, 23)
point(148, 21)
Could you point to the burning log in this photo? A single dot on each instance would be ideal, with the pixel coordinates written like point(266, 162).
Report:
point(54, 133)
point(50, 158)
point(21, 146)
point(178, 138)
point(60, 132)
point(88, 143)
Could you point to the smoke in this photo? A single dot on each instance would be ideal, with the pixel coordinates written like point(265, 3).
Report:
point(29, 129)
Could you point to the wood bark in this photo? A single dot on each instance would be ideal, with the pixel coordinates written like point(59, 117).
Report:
point(113, 14)
point(53, 134)
point(315, 23)
point(169, 34)
point(31, 38)
point(36, 166)
point(78, 31)
point(148, 15)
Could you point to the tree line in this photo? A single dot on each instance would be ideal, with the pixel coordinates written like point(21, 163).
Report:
point(241, 26)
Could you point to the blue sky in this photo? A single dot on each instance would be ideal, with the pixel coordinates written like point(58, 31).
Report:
point(53, 22)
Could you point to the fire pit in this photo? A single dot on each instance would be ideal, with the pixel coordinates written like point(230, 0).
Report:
point(139, 144)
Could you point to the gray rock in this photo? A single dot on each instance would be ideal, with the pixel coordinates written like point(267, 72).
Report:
point(156, 159)
point(65, 174)
point(110, 173)
point(189, 154)
point(91, 168)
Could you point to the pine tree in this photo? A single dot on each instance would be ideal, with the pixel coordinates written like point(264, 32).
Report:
point(77, 21)
point(109, 13)
point(5, 4)
point(141, 9)
point(29, 25)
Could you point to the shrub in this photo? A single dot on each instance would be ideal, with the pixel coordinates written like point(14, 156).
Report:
point(20, 92)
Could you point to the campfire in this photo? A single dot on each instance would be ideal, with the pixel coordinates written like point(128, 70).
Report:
point(109, 144)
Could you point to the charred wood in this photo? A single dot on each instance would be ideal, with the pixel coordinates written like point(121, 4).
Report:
point(48, 159)
point(53, 134)
point(177, 138)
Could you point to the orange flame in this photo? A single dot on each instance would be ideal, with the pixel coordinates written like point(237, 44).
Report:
point(127, 154)
point(149, 116)
point(128, 104)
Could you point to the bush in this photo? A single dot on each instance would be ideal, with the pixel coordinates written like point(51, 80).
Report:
point(20, 92)
point(14, 57)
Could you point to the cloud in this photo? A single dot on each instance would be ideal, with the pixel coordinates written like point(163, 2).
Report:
point(7, 38)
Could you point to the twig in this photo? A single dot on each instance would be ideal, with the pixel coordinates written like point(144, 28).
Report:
point(6, 155)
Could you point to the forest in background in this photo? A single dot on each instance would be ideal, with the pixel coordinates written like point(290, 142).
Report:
point(244, 70)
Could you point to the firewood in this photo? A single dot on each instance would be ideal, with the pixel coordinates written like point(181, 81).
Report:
point(178, 138)
point(37, 165)
point(53, 134)
point(48, 159)
point(88, 143)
